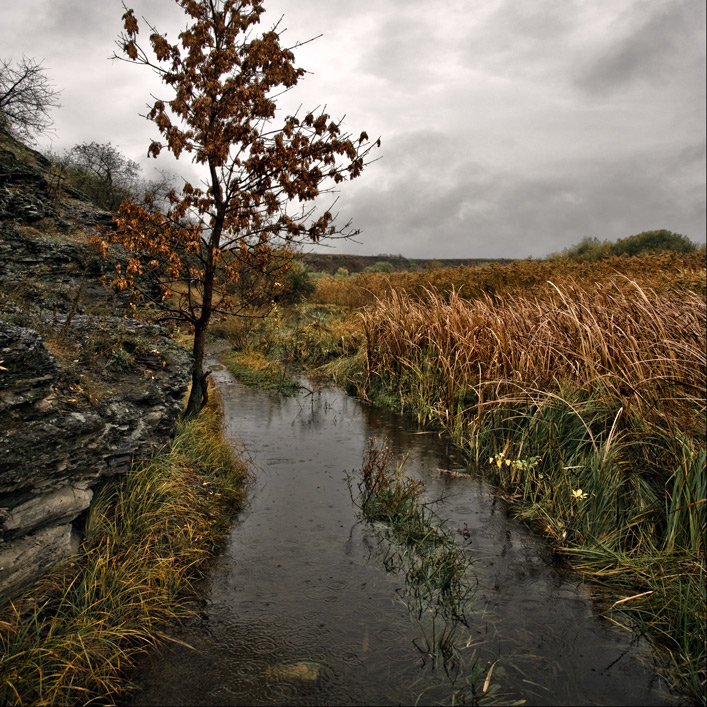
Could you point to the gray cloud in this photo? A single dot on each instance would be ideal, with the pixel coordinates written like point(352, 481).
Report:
point(509, 127)
point(653, 43)
point(74, 28)
point(483, 212)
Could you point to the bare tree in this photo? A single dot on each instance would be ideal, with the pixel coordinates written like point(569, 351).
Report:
point(26, 97)
point(155, 192)
point(107, 177)
point(101, 172)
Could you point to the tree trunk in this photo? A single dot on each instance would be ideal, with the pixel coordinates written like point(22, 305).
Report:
point(199, 383)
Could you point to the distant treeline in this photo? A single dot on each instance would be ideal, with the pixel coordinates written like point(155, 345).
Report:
point(331, 263)
point(589, 249)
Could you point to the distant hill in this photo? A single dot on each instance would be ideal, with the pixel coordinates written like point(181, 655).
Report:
point(331, 262)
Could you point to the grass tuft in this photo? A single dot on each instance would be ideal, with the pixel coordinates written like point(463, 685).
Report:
point(255, 369)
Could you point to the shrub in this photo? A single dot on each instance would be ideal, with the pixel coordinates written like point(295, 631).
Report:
point(653, 242)
point(645, 243)
point(381, 266)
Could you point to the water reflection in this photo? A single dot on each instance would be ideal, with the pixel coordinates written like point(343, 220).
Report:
point(416, 545)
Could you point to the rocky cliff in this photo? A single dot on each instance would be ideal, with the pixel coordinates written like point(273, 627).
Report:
point(86, 383)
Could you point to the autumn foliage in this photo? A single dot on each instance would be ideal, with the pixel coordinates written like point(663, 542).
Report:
point(261, 171)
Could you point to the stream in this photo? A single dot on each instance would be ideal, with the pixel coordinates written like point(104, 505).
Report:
point(303, 607)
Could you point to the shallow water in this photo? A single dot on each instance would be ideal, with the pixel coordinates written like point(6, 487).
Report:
point(300, 609)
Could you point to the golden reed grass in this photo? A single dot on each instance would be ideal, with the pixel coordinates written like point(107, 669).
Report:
point(638, 343)
point(659, 272)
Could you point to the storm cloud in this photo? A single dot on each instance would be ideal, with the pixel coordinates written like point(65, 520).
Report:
point(509, 128)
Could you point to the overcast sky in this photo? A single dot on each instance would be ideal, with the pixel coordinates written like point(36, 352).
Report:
point(509, 128)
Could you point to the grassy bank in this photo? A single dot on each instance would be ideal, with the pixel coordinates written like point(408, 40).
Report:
point(327, 340)
point(579, 388)
point(72, 638)
point(587, 410)
point(255, 369)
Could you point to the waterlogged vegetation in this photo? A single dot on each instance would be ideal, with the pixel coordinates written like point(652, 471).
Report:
point(254, 368)
point(71, 638)
point(325, 339)
point(439, 583)
point(578, 386)
point(434, 564)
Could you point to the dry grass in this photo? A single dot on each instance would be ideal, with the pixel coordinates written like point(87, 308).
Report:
point(646, 349)
point(659, 272)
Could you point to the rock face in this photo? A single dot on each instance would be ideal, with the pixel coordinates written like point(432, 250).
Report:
point(56, 445)
point(24, 188)
point(84, 388)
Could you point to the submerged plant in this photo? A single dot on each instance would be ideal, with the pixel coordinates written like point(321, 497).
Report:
point(419, 548)
point(255, 369)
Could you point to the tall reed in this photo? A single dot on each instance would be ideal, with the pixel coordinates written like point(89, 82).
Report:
point(648, 350)
point(602, 384)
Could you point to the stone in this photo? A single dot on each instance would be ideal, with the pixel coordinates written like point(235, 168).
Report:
point(306, 670)
point(55, 449)
point(29, 367)
point(55, 507)
point(19, 560)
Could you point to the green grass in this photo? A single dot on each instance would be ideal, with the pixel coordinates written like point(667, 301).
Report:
point(255, 369)
point(73, 636)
